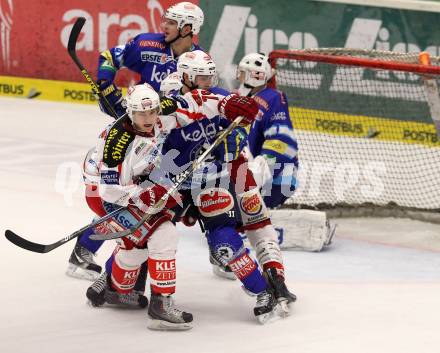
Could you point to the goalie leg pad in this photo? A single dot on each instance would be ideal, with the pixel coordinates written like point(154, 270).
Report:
point(125, 268)
point(305, 230)
point(227, 248)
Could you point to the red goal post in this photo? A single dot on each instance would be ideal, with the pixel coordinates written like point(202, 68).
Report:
point(364, 121)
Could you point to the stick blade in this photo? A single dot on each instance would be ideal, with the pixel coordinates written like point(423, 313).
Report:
point(25, 244)
point(76, 30)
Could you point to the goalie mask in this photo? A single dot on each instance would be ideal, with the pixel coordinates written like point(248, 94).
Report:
point(254, 70)
point(197, 63)
point(186, 13)
point(141, 98)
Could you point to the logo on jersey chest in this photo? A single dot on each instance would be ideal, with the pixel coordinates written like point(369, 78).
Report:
point(158, 75)
point(155, 57)
point(196, 135)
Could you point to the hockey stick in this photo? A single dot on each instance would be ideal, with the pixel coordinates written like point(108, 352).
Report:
point(71, 49)
point(42, 248)
point(181, 178)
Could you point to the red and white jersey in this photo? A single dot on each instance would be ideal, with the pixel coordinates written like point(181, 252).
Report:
point(196, 105)
point(122, 157)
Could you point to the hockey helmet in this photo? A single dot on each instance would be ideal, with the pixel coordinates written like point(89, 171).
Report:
point(141, 98)
point(194, 63)
point(173, 82)
point(186, 13)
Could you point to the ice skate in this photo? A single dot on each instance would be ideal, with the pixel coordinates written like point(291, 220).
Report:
point(100, 293)
point(165, 316)
point(220, 270)
point(265, 309)
point(283, 296)
point(82, 265)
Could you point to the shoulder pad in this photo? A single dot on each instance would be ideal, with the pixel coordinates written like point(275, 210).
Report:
point(116, 144)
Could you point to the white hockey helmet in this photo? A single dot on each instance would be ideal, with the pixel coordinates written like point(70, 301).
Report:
point(256, 68)
point(194, 63)
point(141, 98)
point(186, 13)
point(173, 82)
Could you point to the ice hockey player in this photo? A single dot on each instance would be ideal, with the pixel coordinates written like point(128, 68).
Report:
point(122, 152)
point(198, 70)
point(153, 56)
point(273, 148)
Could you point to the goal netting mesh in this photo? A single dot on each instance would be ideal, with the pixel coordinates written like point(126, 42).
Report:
point(365, 130)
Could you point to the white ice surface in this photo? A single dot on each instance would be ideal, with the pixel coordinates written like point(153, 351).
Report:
point(376, 290)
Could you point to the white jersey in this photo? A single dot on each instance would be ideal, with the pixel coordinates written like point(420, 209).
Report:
point(120, 158)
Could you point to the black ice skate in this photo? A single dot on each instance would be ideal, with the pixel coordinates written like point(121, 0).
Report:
point(165, 316)
point(82, 265)
point(279, 286)
point(100, 292)
point(220, 270)
point(265, 309)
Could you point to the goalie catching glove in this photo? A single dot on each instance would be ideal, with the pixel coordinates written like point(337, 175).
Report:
point(233, 106)
point(150, 196)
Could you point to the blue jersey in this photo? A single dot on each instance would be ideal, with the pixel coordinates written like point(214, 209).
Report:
point(147, 54)
point(271, 135)
point(192, 138)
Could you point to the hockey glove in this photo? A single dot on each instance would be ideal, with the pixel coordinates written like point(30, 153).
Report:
point(114, 96)
point(150, 196)
point(190, 216)
point(231, 147)
point(233, 106)
point(168, 105)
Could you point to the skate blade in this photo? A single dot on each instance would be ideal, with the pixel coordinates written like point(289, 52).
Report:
point(78, 272)
point(220, 273)
point(267, 318)
point(283, 308)
point(94, 304)
point(161, 325)
point(280, 311)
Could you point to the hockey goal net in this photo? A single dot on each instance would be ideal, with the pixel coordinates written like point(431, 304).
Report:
point(364, 121)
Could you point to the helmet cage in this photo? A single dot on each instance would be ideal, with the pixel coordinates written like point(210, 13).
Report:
point(256, 68)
